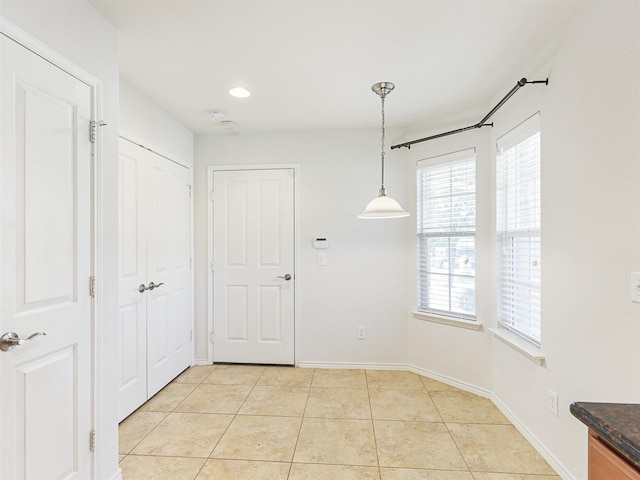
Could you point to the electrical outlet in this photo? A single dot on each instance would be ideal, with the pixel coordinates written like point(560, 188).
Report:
point(552, 403)
point(361, 333)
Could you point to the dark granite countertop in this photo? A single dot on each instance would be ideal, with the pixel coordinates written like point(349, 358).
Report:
point(617, 424)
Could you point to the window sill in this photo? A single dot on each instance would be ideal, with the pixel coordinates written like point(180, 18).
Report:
point(519, 344)
point(453, 321)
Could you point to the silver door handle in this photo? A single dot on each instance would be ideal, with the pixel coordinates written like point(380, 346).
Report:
point(142, 288)
point(286, 276)
point(11, 340)
point(153, 285)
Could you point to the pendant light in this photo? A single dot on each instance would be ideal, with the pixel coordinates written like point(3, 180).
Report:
point(383, 206)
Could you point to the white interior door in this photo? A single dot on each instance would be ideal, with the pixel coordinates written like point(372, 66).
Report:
point(169, 313)
point(155, 324)
point(253, 263)
point(132, 311)
point(46, 255)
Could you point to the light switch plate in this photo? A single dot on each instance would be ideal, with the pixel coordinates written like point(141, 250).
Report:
point(635, 287)
point(321, 258)
point(552, 403)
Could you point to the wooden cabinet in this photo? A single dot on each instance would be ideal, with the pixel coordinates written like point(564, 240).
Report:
point(606, 464)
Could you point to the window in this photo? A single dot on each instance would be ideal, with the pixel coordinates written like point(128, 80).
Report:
point(446, 226)
point(518, 229)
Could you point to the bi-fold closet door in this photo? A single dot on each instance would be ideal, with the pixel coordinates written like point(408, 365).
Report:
point(155, 281)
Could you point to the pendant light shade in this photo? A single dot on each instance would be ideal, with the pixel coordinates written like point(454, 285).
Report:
point(383, 206)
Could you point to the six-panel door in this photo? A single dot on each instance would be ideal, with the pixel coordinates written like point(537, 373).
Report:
point(253, 256)
point(46, 254)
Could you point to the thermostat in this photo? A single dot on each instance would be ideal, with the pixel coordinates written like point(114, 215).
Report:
point(320, 242)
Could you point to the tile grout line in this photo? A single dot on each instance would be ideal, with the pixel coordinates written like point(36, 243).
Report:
point(227, 428)
point(180, 403)
point(451, 435)
point(448, 431)
point(163, 419)
point(304, 411)
point(130, 452)
point(373, 425)
point(235, 415)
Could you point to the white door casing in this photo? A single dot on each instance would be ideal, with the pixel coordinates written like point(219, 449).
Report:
point(154, 326)
point(46, 252)
point(253, 255)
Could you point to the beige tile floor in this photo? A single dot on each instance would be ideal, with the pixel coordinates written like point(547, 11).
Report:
point(244, 422)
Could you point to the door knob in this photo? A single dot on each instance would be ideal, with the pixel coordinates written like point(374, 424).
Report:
point(286, 276)
point(142, 288)
point(11, 340)
point(153, 285)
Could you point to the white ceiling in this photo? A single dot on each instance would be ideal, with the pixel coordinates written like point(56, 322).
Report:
point(310, 63)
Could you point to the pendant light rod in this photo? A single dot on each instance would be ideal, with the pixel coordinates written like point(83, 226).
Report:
point(482, 123)
point(382, 94)
point(382, 89)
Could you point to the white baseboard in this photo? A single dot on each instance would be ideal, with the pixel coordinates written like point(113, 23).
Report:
point(201, 361)
point(355, 366)
point(533, 440)
point(467, 387)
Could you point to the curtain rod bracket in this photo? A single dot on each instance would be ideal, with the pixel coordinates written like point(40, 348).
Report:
point(482, 123)
point(546, 82)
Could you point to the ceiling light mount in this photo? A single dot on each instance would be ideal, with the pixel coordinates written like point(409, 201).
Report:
point(383, 88)
point(383, 206)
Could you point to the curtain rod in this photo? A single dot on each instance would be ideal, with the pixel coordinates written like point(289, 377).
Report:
point(482, 123)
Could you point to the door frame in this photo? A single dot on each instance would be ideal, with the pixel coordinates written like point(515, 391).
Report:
point(31, 43)
point(211, 169)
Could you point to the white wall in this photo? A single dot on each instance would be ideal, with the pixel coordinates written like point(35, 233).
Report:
point(144, 122)
point(77, 31)
point(366, 278)
point(590, 121)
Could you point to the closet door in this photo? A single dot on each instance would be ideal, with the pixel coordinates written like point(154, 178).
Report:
point(132, 311)
point(155, 318)
point(168, 265)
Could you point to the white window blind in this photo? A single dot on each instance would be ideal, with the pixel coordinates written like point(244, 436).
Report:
point(518, 229)
point(446, 229)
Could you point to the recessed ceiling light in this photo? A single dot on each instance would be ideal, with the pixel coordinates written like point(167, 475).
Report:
point(239, 92)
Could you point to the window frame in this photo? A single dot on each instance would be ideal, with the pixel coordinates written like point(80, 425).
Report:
point(519, 234)
point(449, 233)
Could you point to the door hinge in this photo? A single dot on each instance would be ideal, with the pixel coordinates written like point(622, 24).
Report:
point(212, 337)
point(190, 262)
point(212, 269)
point(92, 286)
point(93, 129)
point(92, 440)
point(212, 196)
point(191, 336)
point(190, 190)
